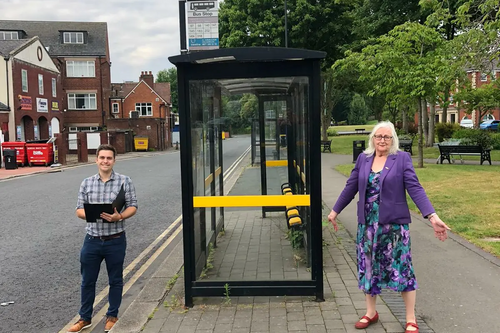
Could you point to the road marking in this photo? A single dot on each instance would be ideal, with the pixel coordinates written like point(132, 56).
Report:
point(131, 267)
point(137, 260)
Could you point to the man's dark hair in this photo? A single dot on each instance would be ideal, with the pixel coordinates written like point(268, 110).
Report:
point(106, 147)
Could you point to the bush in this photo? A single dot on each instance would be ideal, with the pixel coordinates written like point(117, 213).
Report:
point(446, 130)
point(474, 137)
point(495, 138)
point(412, 128)
point(331, 132)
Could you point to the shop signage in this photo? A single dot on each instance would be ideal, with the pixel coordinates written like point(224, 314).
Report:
point(25, 102)
point(42, 105)
point(55, 106)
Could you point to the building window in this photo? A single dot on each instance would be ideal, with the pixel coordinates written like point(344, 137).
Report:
point(9, 35)
point(73, 38)
point(40, 84)
point(24, 79)
point(115, 108)
point(54, 87)
point(484, 77)
point(82, 101)
point(145, 109)
point(80, 68)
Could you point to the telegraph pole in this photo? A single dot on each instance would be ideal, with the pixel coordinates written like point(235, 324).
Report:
point(182, 25)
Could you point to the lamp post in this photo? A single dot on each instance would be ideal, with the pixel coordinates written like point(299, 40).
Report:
point(286, 27)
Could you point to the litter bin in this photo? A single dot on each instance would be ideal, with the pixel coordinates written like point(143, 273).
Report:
point(357, 148)
point(141, 143)
point(40, 153)
point(20, 147)
point(9, 157)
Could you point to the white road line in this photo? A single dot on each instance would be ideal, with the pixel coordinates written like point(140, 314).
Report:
point(137, 260)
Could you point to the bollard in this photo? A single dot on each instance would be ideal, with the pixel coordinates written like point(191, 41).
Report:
point(176, 145)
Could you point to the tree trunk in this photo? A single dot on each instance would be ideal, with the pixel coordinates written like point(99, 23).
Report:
point(405, 119)
point(325, 123)
point(445, 104)
point(425, 117)
point(432, 117)
point(420, 135)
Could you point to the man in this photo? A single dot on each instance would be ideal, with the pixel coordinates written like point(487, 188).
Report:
point(104, 239)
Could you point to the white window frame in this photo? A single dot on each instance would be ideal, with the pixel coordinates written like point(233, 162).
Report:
point(40, 84)
point(148, 108)
point(24, 80)
point(13, 35)
point(54, 87)
point(72, 37)
point(484, 77)
point(89, 98)
point(115, 108)
point(78, 68)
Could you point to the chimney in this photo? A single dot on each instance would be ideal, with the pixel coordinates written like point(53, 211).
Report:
point(148, 78)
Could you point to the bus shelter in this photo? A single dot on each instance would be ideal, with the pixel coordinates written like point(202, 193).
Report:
point(277, 195)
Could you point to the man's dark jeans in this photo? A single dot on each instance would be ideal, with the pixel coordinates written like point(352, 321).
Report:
point(93, 252)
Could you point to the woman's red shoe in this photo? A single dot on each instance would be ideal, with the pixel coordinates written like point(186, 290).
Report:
point(369, 321)
point(412, 325)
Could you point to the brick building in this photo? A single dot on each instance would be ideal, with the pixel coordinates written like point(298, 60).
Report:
point(30, 91)
point(455, 115)
point(80, 51)
point(144, 107)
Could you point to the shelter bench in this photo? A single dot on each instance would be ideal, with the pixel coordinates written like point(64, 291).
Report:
point(292, 214)
point(447, 152)
point(326, 145)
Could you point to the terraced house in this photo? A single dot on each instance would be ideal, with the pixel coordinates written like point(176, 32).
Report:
point(80, 52)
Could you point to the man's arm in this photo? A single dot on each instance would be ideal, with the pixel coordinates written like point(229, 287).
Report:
point(80, 213)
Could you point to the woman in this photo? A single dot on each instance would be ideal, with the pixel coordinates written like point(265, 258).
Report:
point(381, 175)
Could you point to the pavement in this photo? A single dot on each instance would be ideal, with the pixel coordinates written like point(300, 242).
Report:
point(458, 282)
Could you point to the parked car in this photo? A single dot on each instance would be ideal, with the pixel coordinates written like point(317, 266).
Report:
point(467, 123)
point(491, 125)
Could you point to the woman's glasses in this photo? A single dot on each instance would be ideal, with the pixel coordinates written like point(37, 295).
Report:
point(384, 137)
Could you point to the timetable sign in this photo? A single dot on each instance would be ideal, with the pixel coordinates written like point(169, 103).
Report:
point(203, 25)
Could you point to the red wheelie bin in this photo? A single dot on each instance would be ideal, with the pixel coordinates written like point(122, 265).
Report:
point(20, 147)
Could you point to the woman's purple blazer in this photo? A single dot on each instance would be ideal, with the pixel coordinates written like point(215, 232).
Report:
point(397, 176)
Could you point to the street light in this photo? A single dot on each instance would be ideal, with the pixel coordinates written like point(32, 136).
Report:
point(286, 28)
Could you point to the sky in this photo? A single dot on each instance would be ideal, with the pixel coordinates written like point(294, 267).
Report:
point(142, 33)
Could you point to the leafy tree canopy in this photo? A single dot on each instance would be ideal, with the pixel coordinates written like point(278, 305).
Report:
point(170, 76)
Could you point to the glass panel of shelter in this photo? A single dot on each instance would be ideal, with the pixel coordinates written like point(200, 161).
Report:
point(257, 247)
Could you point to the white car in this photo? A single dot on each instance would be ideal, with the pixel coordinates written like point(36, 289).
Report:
point(467, 123)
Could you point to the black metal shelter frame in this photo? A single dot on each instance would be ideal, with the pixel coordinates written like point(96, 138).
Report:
point(270, 74)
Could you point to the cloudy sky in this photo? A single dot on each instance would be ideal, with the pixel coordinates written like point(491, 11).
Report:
point(142, 33)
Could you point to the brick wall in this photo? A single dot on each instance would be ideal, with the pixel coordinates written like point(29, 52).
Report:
point(154, 129)
point(100, 85)
point(33, 117)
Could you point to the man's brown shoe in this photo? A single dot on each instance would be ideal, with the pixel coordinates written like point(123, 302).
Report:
point(110, 322)
point(79, 326)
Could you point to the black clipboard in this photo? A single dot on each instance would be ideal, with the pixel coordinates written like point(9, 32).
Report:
point(93, 211)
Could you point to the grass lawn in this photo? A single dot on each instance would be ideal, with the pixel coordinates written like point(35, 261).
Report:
point(351, 128)
point(465, 197)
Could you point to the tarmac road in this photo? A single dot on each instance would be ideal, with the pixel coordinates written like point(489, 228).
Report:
point(40, 236)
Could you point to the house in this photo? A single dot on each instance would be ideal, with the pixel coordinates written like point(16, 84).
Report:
point(143, 106)
point(30, 91)
point(477, 79)
point(80, 51)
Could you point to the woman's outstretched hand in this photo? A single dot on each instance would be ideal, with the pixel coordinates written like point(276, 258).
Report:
point(332, 217)
point(440, 228)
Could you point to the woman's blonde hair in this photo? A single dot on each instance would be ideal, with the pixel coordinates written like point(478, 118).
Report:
point(393, 149)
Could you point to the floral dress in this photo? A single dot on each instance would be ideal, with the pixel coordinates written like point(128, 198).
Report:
point(383, 251)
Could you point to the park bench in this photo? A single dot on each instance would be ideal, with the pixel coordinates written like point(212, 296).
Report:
point(446, 152)
point(406, 144)
point(326, 145)
point(359, 130)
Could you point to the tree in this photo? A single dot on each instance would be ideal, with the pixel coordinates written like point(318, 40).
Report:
point(314, 25)
point(170, 76)
point(482, 99)
point(358, 111)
